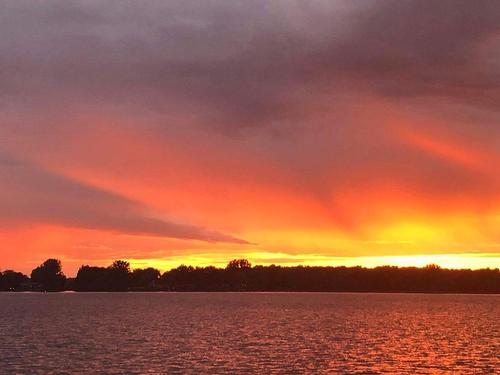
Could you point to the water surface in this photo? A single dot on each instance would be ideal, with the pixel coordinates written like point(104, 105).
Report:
point(144, 333)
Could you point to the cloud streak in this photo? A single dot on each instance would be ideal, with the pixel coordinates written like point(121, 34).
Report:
point(31, 194)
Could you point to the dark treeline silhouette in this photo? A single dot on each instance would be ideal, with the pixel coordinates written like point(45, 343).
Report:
point(116, 277)
point(12, 280)
point(49, 275)
point(239, 275)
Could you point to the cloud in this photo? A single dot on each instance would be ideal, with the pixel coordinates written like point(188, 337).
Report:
point(32, 194)
point(251, 110)
point(247, 64)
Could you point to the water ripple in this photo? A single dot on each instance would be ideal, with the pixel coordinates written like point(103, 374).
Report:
point(227, 333)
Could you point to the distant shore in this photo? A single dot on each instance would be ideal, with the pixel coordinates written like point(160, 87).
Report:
point(159, 291)
point(241, 276)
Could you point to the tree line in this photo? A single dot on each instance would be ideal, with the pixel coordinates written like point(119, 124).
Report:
point(239, 275)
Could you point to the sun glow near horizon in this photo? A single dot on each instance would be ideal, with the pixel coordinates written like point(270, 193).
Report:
point(404, 244)
point(450, 261)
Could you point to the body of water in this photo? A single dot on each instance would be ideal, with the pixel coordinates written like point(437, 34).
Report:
point(261, 333)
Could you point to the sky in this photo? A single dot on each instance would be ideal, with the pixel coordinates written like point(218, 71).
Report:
point(287, 132)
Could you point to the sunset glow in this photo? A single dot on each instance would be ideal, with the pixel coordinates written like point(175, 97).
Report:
point(290, 140)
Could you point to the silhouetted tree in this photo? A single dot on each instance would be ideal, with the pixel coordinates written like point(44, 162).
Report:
point(238, 274)
point(237, 264)
point(119, 276)
point(49, 275)
point(91, 278)
point(11, 280)
point(144, 278)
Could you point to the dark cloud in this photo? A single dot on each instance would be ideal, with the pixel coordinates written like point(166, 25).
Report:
point(427, 48)
point(31, 194)
point(246, 63)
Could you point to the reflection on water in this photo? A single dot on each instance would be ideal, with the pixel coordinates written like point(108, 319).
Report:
point(248, 332)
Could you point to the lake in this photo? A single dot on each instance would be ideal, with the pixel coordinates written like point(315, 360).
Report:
point(155, 333)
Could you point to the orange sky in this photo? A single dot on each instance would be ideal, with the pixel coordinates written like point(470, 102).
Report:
point(225, 131)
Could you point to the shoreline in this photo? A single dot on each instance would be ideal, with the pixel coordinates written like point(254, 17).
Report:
point(240, 292)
